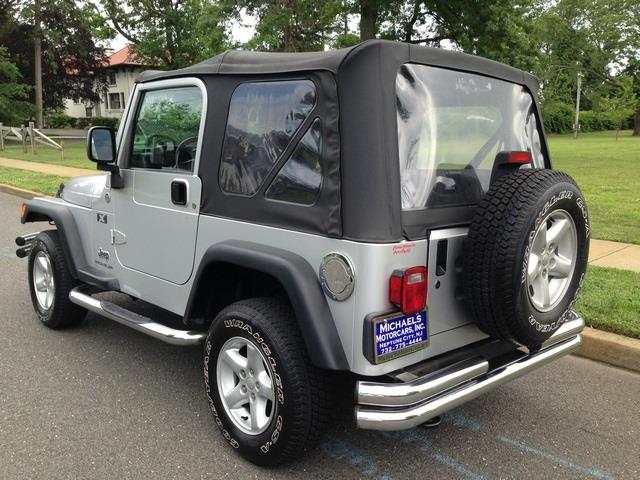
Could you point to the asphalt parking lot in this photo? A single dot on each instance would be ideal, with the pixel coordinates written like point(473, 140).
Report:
point(103, 401)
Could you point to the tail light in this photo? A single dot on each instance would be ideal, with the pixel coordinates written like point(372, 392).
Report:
point(408, 289)
point(519, 157)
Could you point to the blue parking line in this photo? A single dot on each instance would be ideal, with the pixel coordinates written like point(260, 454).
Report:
point(470, 424)
point(461, 421)
point(339, 450)
point(594, 472)
point(419, 438)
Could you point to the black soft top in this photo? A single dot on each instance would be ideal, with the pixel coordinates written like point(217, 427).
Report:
point(240, 62)
point(360, 197)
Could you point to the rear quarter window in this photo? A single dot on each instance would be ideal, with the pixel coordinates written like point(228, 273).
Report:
point(263, 118)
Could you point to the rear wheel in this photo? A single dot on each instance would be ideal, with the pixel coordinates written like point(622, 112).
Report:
point(266, 398)
point(526, 255)
point(50, 283)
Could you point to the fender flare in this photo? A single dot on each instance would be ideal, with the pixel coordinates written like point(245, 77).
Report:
point(303, 289)
point(39, 210)
point(42, 211)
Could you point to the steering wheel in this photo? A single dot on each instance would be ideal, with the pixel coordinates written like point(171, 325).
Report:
point(161, 140)
point(185, 164)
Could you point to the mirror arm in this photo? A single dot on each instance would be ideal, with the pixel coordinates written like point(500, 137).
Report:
point(116, 179)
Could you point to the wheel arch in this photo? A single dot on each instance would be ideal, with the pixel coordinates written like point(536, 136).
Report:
point(298, 281)
point(39, 211)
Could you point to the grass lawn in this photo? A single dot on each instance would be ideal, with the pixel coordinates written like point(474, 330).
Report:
point(75, 154)
point(608, 172)
point(610, 301)
point(38, 182)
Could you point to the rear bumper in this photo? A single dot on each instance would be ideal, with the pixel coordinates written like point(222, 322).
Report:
point(399, 406)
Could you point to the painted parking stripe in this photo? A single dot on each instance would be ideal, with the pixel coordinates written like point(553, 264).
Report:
point(420, 439)
point(594, 472)
point(339, 450)
point(473, 425)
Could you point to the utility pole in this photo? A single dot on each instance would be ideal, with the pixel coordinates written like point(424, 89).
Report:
point(37, 53)
point(576, 125)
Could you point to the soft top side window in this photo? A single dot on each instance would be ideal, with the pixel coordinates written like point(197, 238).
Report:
point(299, 179)
point(263, 118)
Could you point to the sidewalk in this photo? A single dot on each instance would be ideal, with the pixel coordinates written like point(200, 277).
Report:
point(604, 253)
point(46, 168)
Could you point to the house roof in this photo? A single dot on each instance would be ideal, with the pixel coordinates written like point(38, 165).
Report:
point(124, 56)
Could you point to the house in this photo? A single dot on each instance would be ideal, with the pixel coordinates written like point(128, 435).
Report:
point(121, 68)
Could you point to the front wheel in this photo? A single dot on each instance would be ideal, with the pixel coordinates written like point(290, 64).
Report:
point(266, 398)
point(50, 283)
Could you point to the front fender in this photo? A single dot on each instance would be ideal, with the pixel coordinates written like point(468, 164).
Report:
point(303, 289)
point(39, 210)
point(43, 210)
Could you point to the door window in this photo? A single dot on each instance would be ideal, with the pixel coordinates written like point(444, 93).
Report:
point(166, 129)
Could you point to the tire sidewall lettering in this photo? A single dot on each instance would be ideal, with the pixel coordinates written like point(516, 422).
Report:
point(563, 195)
point(250, 331)
point(546, 323)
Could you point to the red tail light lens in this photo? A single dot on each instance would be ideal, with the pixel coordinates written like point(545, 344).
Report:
point(408, 289)
point(519, 157)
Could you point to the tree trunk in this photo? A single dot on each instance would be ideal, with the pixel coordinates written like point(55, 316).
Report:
point(368, 18)
point(37, 54)
point(636, 122)
point(410, 25)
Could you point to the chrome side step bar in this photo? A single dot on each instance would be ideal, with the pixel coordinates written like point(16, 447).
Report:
point(135, 321)
point(399, 406)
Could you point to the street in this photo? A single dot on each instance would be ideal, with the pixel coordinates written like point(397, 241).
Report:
point(103, 401)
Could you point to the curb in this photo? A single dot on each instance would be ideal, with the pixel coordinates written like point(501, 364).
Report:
point(610, 348)
point(19, 192)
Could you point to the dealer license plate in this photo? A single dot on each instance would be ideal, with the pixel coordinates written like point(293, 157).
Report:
point(396, 335)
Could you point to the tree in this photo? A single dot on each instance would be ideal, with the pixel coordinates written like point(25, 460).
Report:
point(14, 104)
point(577, 36)
point(171, 33)
point(291, 25)
point(70, 54)
point(633, 70)
point(622, 104)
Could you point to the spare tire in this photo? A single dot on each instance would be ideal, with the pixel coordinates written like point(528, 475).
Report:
point(525, 255)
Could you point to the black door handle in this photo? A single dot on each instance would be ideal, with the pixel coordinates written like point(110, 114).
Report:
point(179, 192)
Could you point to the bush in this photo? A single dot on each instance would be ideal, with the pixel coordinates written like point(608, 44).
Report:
point(81, 122)
point(558, 118)
point(591, 121)
point(59, 120)
point(104, 122)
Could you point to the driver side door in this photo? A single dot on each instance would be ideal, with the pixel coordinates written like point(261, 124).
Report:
point(157, 211)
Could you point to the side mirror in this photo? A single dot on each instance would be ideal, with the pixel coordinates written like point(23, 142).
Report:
point(101, 145)
point(101, 148)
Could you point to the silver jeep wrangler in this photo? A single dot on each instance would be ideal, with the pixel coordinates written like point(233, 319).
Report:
point(387, 210)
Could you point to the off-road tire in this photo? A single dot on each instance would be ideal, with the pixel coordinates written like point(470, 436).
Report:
point(62, 313)
point(497, 250)
point(302, 391)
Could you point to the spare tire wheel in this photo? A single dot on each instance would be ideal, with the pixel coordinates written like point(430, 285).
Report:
point(525, 255)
